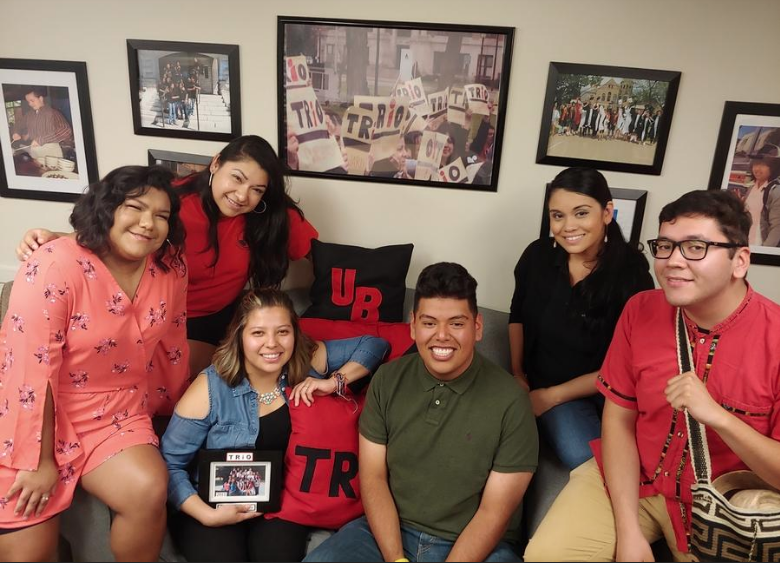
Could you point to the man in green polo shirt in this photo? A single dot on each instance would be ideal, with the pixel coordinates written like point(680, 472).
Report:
point(448, 442)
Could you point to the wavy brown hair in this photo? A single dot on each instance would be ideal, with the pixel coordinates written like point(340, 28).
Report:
point(229, 358)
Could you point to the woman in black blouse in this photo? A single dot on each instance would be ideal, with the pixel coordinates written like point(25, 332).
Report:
point(569, 293)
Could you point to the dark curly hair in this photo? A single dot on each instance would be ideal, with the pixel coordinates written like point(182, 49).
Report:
point(266, 234)
point(93, 214)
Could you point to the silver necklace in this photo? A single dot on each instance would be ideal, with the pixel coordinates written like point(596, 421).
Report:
point(270, 397)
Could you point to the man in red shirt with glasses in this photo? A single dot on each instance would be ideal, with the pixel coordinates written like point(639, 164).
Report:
point(701, 262)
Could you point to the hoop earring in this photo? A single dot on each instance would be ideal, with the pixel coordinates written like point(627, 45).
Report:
point(265, 206)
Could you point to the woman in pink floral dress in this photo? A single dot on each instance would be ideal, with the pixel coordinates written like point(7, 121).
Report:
point(94, 342)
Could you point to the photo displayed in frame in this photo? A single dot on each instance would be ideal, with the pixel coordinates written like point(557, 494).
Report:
point(181, 163)
point(747, 163)
point(187, 90)
point(629, 213)
point(393, 102)
point(252, 477)
point(47, 144)
point(607, 117)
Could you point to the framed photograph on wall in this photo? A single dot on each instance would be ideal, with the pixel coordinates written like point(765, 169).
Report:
point(393, 102)
point(187, 90)
point(607, 117)
point(252, 477)
point(181, 163)
point(47, 144)
point(629, 213)
point(747, 163)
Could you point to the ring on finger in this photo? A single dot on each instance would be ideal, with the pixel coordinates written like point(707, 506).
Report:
point(44, 498)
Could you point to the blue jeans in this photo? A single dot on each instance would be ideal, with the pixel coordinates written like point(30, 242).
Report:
point(354, 542)
point(569, 427)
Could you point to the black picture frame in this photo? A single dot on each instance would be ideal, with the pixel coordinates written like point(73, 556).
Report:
point(35, 172)
point(215, 467)
point(180, 163)
point(745, 130)
point(629, 212)
point(408, 91)
point(614, 87)
point(208, 108)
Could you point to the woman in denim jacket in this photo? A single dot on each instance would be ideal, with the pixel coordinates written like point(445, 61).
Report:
point(240, 402)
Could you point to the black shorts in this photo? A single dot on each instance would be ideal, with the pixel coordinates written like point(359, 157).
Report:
point(211, 328)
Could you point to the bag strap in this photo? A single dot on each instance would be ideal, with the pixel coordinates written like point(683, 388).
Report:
point(697, 435)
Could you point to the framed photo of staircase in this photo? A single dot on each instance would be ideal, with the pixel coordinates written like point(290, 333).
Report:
point(186, 90)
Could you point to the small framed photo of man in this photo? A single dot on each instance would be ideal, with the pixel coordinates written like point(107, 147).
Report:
point(180, 163)
point(747, 163)
point(187, 90)
point(251, 477)
point(607, 117)
point(47, 144)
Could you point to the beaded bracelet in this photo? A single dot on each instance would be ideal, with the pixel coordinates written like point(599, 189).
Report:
point(341, 388)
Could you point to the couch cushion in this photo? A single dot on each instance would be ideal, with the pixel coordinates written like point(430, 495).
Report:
point(359, 284)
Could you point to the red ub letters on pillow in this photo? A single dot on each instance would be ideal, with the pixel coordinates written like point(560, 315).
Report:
point(321, 486)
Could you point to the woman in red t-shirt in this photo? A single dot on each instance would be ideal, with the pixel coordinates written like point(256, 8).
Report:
point(241, 225)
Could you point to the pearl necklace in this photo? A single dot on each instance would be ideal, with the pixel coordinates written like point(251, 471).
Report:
point(270, 397)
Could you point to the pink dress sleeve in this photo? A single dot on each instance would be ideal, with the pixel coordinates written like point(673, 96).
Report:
point(31, 347)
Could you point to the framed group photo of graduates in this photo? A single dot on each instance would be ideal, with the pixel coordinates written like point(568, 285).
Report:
point(187, 90)
point(607, 117)
point(747, 164)
point(394, 102)
point(47, 143)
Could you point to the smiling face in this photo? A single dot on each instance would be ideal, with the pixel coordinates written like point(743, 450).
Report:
point(237, 186)
point(445, 331)
point(140, 226)
point(268, 341)
point(578, 222)
point(707, 287)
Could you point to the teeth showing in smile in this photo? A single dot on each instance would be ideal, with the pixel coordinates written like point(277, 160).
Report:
point(573, 239)
point(272, 357)
point(442, 352)
point(234, 203)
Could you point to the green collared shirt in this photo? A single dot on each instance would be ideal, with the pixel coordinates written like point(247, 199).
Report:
point(444, 438)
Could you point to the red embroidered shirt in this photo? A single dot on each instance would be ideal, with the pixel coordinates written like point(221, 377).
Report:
point(744, 378)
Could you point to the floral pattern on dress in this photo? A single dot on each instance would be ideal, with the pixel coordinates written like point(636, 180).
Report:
point(105, 345)
point(156, 316)
point(32, 271)
point(87, 268)
point(66, 448)
point(115, 305)
point(79, 378)
point(79, 320)
point(42, 354)
point(27, 397)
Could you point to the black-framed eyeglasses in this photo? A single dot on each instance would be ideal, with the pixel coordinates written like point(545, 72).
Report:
point(691, 249)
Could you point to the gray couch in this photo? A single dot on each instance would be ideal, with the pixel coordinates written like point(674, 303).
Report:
point(85, 525)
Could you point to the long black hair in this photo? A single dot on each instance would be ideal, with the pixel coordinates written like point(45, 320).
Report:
point(93, 214)
point(600, 297)
point(266, 234)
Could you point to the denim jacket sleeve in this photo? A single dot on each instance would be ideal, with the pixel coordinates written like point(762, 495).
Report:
point(180, 444)
point(368, 351)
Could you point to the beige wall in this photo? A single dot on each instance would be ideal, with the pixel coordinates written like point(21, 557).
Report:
point(725, 49)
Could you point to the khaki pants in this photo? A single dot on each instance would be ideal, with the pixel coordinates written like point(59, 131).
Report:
point(580, 525)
